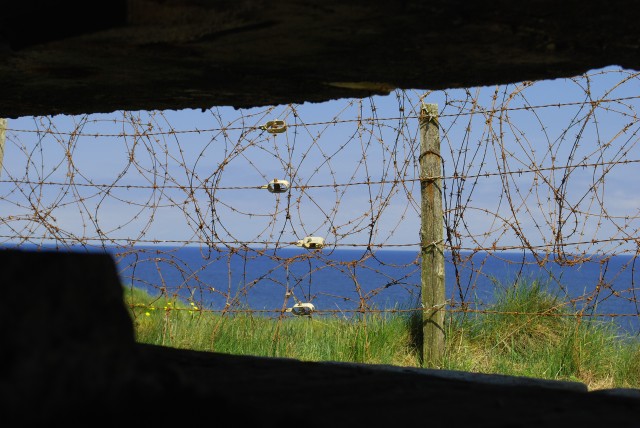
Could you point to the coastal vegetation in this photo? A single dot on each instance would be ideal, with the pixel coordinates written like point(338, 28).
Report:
point(526, 331)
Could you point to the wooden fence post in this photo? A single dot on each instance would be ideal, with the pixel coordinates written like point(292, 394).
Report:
point(431, 238)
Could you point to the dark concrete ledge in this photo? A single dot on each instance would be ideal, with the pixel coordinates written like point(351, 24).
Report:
point(63, 58)
point(493, 379)
point(69, 353)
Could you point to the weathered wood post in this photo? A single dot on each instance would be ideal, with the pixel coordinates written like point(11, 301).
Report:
point(431, 238)
point(3, 134)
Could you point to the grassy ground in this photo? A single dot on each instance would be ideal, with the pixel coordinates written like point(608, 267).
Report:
point(514, 342)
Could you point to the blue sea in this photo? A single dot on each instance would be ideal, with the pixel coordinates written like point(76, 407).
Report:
point(348, 281)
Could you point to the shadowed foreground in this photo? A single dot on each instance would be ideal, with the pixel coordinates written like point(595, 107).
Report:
point(70, 352)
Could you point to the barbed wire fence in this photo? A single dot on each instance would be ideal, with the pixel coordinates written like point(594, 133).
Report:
point(259, 210)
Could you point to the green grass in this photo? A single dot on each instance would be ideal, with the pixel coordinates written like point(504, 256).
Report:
point(515, 341)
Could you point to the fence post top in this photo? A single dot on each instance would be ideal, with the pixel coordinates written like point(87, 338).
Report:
point(428, 111)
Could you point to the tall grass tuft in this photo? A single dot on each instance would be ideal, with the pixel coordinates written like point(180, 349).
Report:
point(525, 316)
point(531, 331)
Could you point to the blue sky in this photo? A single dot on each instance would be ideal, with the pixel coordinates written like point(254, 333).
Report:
point(221, 154)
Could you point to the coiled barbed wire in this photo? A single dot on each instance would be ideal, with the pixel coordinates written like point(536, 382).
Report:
point(541, 171)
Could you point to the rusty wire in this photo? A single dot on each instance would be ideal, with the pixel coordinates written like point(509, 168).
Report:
point(546, 175)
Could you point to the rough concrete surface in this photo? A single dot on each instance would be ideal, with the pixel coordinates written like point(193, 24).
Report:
point(65, 58)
